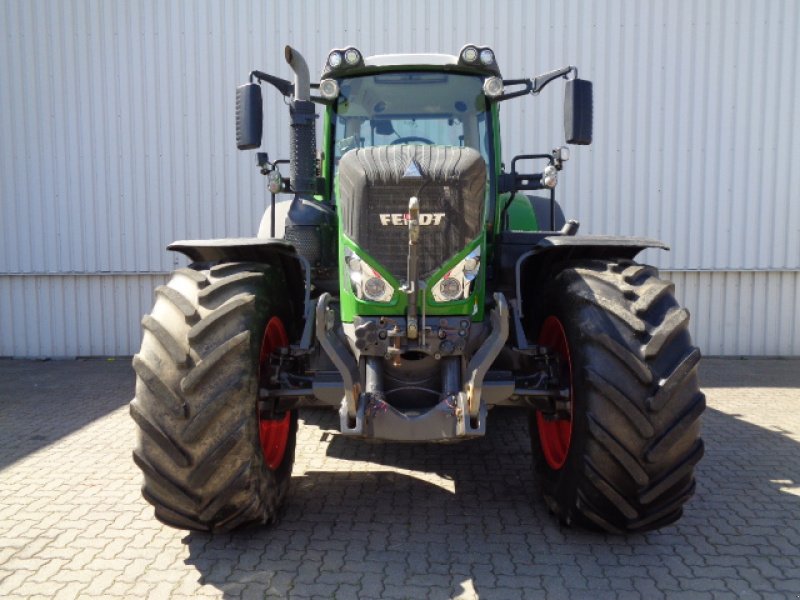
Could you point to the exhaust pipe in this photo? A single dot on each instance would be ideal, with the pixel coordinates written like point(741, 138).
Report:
point(310, 225)
point(302, 80)
point(302, 138)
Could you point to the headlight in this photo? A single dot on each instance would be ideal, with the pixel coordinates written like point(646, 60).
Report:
point(334, 59)
point(549, 177)
point(275, 182)
point(375, 288)
point(487, 56)
point(352, 56)
point(493, 86)
point(470, 54)
point(449, 288)
point(329, 88)
point(367, 282)
point(456, 284)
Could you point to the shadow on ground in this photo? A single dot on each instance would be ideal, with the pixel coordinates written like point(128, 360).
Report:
point(750, 373)
point(33, 400)
point(467, 517)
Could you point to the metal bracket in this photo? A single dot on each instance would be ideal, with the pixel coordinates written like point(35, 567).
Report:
point(344, 362)
point(519, 330)
point(352, 425)
point(308, 327)
point(470, 425)
point(486, 354)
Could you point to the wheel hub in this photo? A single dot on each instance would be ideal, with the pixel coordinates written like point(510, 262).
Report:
point(273, 432)
point(555, 435)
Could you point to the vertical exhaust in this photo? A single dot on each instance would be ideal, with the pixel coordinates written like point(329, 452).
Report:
point(310, 225)
point(302, 137)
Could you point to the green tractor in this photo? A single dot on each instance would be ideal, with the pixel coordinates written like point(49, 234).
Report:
point(417, 286)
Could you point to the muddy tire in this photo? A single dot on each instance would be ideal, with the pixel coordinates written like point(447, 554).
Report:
point(197, 378)
point(625, 461)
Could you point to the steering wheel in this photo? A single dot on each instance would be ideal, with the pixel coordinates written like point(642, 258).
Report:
point(411, 138)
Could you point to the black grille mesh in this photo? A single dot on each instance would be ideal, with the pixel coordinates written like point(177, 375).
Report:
point(372, 183)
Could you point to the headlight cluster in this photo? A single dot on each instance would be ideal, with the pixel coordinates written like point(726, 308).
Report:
point(478, 56)
point(343, 58)
point(549, 177)
point(457, 283)
point(367, 282)
point(473, 55)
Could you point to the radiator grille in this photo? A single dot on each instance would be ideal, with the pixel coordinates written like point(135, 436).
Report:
point(374, 198)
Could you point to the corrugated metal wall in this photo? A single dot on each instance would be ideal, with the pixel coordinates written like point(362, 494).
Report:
point(117, 137)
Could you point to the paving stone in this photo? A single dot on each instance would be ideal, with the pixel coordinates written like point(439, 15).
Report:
point(379, 520)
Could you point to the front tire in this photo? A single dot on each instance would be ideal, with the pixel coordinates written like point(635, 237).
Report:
point(624, 462)
point(201, 441)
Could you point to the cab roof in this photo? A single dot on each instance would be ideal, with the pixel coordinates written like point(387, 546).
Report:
point(406, 60)
point(348, 62)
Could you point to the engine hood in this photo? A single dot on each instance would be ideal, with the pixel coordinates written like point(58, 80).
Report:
point(375, 185)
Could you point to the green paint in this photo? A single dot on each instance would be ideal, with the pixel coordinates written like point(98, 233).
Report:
point(494, 109)
point(326, 166)
point(521, 216)
point(352, 306)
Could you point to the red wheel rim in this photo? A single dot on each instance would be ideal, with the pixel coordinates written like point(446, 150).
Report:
point(555, 436)
point(272, 433)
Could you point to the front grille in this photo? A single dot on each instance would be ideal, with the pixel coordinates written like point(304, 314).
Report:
point(374, 196)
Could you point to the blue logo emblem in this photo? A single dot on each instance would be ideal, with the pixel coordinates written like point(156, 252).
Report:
point(412, 170)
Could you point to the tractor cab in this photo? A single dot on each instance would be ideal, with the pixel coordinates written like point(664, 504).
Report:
point(407, 99)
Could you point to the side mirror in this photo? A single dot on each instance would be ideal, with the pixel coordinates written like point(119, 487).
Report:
point(578, 112)
point(249, 116)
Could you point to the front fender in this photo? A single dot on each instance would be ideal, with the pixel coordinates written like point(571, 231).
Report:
point(279, 253)
point(541, 262)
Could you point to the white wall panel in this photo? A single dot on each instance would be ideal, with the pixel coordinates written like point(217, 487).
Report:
point(74, 315)
point(742, 313)
point(116, 137)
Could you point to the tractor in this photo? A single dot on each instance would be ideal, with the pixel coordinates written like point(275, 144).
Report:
point(420, 283)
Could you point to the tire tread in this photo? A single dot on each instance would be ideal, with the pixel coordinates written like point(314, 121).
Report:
point(195, 404)
point(637, 376)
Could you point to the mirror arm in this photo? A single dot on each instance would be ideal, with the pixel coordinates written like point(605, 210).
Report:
point(526, 82)
point(541, 81)
point(320, 99)
point(286, 88)
point(537, 84)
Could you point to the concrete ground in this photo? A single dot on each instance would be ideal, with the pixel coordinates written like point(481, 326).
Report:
point(387, 520)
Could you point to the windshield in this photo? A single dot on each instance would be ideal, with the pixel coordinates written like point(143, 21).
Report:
point(411, 107)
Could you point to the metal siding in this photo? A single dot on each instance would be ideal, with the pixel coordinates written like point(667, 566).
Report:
point(117, 123)
point(73, 315)
point(742, 313)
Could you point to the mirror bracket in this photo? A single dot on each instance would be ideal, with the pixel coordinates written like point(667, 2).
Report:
point(286, 88)
point(523, 92)
point(540, 81)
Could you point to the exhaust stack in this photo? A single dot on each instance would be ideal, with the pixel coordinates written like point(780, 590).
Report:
point(302, 79)
point(310, 225)
point(303, 132)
